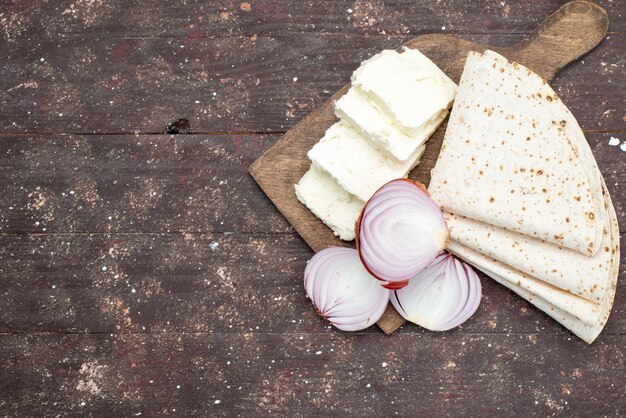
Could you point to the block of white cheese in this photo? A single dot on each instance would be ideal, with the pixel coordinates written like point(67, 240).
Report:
point(356, 166)
point(407, 88)
point(338, 209)
point(355, 109)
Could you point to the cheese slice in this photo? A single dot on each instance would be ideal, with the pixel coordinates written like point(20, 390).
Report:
point(362, 115)
point(407, 87)
point(355, 165)
point(395, 104)
point(338, 209)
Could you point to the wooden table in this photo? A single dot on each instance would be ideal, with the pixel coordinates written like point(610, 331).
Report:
point(143, 273)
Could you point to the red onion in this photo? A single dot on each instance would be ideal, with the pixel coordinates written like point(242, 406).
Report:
point(441, 297)
point(342, 291)
point(401, 230)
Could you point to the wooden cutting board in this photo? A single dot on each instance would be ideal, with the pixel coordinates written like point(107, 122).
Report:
point(573, 30)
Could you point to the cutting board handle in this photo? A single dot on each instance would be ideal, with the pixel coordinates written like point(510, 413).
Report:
point(572, 31)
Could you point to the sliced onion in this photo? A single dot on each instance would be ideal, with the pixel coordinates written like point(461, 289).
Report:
point(401, 230)
point(342, 291)
point(441, 297)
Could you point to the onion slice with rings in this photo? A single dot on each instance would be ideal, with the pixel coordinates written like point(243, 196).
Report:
point(342, 291)
point(441, 297)
point(401, 231)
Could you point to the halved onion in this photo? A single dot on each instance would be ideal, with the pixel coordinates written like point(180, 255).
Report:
point(441, 297)
point(342, 291)
point(401, 230)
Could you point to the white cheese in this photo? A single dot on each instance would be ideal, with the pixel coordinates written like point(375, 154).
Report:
point(394, 105)
point(361, 114)
point(355, 165)
point(407, 87)
point(329, 202)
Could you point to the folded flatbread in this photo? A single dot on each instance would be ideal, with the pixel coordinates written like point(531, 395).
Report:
point(585, 327)
point(582, 276)
point(526, 202)
point(514, 157)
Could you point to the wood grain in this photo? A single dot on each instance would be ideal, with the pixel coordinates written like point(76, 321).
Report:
point(199, 282)
point(159, 183)
point(139, 85)
point(335, 375)
point(554, 44)
point(128, 183)
point(277, 18)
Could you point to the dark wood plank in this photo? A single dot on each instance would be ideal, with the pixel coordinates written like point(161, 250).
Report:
point(133, 85)
point(199, 19)
point(154, 283)
point(200, 181)
point(310, 375)
point(128, 183)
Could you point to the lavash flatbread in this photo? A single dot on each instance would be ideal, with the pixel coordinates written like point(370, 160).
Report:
point(586, 277)
point(571, 133)
point(583, 310)
point(512, 157)
point(572, 317)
